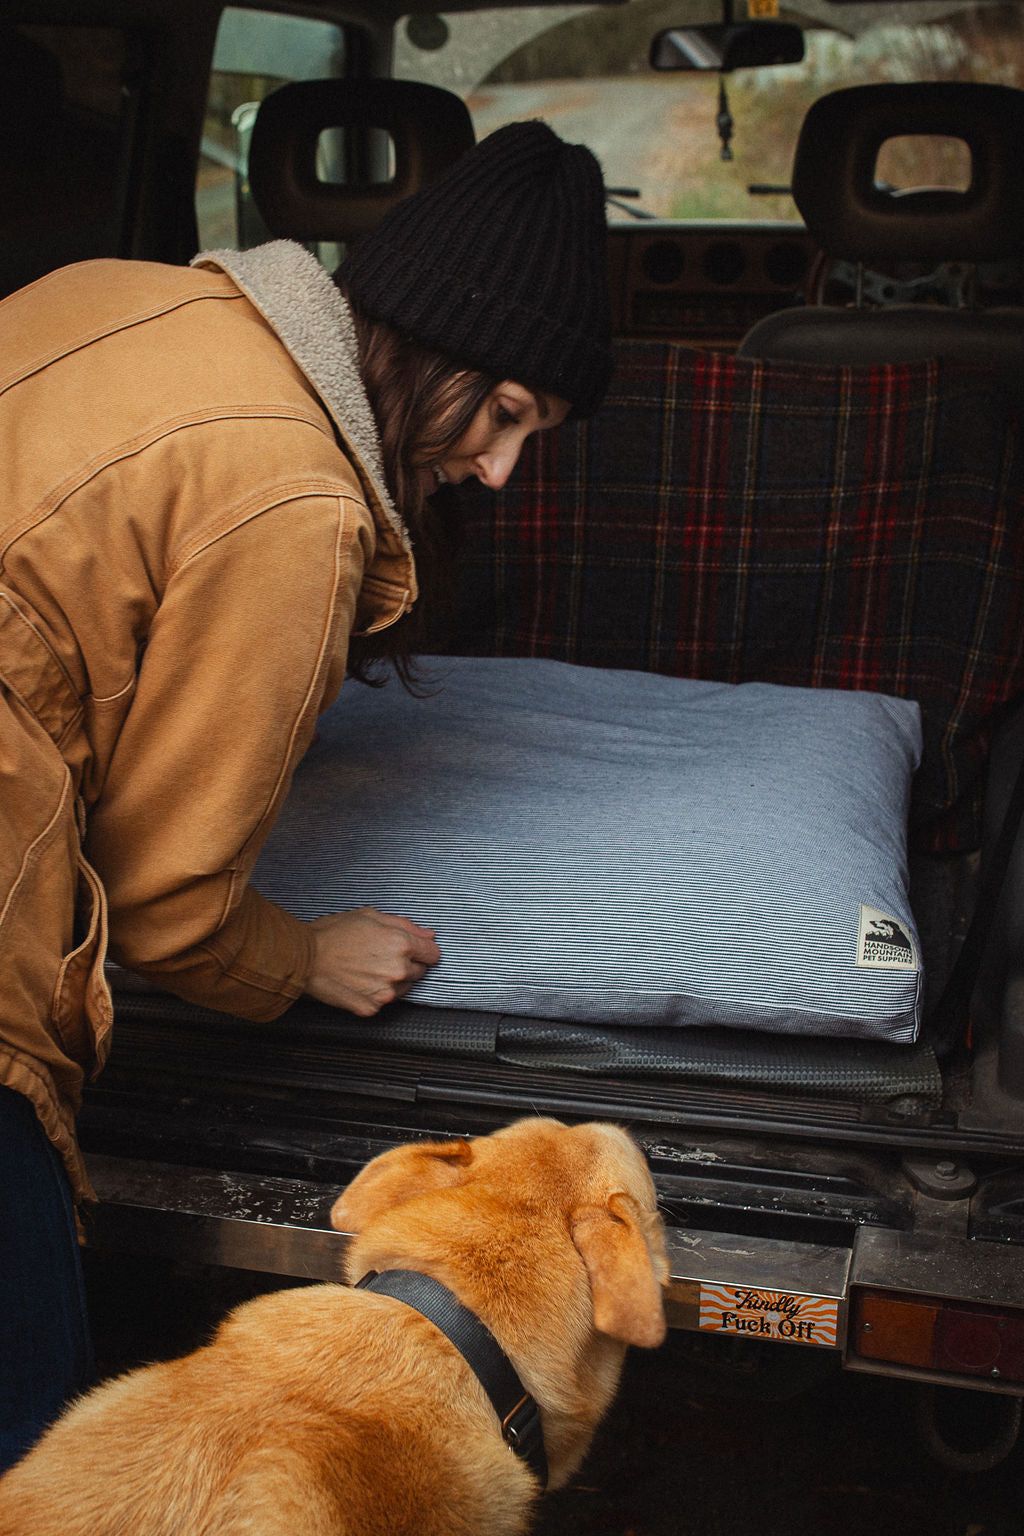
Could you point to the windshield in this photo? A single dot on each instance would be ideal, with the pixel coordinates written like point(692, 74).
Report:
point(673, 145)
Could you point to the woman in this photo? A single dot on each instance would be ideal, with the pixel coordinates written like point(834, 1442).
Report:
point(216, 480)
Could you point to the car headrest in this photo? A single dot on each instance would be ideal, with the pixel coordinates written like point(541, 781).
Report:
point(851, 216)
point(429, 129)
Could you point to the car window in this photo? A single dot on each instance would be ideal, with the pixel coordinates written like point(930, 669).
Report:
point(256, 51)
point(673, 145)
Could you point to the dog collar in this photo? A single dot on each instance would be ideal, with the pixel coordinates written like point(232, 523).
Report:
point(518, 1413)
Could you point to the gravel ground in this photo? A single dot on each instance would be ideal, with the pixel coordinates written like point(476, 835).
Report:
point(841, 1458)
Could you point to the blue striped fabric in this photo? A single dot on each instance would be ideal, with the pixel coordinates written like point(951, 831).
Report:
point(622, 847)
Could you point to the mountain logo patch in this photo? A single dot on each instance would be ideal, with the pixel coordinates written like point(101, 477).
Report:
point(883, 943)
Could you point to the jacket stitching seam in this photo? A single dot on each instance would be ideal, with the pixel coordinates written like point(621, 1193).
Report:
point(113, 698)
point(313, 691)
point(35, 851)
point(55, 495)
point(126, 323)
point(254, 505)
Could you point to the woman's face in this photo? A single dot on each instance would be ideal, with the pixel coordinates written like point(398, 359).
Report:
point(493, 441)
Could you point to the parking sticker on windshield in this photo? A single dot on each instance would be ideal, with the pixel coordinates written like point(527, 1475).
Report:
point(758, 1314)
point(883, 943)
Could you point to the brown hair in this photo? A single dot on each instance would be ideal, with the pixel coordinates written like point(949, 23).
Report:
point(423, 402)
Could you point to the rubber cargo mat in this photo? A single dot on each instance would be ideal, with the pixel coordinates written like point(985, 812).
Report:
point(861, 1071)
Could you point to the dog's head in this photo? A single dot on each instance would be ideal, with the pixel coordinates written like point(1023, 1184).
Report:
point(590, 1180)
point(549, 1232)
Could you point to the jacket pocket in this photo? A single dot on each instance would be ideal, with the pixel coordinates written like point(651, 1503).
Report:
point(83, 1010)
point(380, 604)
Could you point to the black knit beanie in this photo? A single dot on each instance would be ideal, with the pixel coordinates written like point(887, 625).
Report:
point(501, 264)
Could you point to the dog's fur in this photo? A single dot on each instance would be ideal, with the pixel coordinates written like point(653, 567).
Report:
point(327, 1411)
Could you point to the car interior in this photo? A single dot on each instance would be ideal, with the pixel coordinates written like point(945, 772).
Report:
point(808, 472)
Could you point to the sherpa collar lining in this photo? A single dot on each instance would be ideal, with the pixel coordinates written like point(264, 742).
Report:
point(298, 298)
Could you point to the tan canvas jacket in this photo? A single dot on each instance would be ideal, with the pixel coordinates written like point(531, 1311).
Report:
point(193, 521)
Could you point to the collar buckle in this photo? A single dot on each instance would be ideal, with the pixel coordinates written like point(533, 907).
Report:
point(520, 1428)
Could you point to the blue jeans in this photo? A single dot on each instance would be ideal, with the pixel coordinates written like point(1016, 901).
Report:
point(45, 1346)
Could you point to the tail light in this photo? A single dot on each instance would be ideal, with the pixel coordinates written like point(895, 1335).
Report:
point(959, 1338)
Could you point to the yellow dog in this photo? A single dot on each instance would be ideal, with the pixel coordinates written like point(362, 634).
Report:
point(338, 1411)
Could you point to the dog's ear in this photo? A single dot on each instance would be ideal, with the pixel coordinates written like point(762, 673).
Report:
point(622, 1247)
point(398, 1176)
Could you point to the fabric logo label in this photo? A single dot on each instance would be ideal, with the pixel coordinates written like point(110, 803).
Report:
point(883, 943)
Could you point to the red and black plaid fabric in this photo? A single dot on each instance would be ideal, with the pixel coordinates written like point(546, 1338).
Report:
point(738, 520)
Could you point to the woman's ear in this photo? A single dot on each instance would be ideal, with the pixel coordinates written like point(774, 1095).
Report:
point(398, 1176)
point(623, 1249)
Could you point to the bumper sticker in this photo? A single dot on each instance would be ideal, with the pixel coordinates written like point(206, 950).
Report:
point(758, 1314)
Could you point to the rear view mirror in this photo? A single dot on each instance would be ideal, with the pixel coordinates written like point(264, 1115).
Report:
point(724, 47)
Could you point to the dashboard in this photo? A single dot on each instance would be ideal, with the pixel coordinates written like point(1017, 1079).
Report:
point(705, 283)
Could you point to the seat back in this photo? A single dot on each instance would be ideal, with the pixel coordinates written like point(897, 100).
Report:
point(885, 235)
point(428, 127)
point(740, 521)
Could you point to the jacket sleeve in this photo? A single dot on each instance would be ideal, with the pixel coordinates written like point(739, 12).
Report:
point(247, 646)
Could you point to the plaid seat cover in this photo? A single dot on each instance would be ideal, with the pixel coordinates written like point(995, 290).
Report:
point(739, 520)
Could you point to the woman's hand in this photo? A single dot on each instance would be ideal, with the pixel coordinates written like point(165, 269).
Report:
point(364, 959)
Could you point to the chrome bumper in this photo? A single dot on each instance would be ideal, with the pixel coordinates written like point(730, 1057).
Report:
point(755, 1288)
